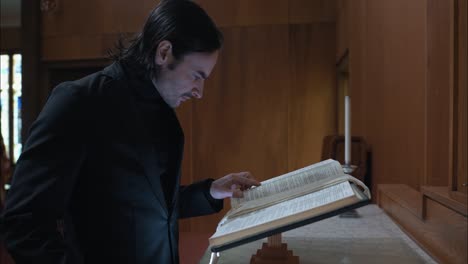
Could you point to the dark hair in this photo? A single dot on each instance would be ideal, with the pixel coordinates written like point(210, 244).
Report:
point(182, 22)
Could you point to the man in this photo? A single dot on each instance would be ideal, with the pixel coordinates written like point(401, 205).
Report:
point(98, 181)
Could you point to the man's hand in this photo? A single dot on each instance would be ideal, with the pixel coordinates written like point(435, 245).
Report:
point(232, 185)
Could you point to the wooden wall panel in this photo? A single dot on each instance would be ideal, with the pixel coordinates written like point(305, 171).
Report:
point(81, 29)
point(461, 162)
point(10, 39)
point(447, 229)
point(358, 66)
point(342, 27)
point(88, 29)
point(352, 40)
point(399, 80)
point(312, 100)
point(438, 83)
point(31, 70)
point(312, 11)
point(387, 41)
point(436, 227)
point(404, 86)
point(95, 17)
point(241, 124)
point(78, 47)
point(373, 91)
point(228, 13)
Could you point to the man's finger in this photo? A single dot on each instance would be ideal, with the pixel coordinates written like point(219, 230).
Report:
point(245, 181)
point(237, 194)
point(244, 174)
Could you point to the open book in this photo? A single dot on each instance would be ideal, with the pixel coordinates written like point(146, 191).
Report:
point(288, 201)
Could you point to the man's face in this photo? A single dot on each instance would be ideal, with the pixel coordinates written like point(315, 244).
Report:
point(182, 80)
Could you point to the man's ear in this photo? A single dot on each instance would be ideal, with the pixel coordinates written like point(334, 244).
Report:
point(164, 53)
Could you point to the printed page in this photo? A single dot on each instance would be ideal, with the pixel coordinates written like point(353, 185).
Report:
point(263, 202)
point(296, 179)
point(287, 208)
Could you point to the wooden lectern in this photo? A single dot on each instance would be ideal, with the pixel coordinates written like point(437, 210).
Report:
point(274, 252)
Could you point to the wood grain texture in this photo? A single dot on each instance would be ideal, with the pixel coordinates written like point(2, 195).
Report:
point(372, 91)
point(91, 17)
point(437, 93)
point(312, 94)
point(462, 99)
point(441, 194)
point(387, 47)
point(405, 116)
point(241, 124)
point(458, 110)
point(229, 13)
point(81, 29)
point(402, 86)
point(405, 196)
point(457, 171)
point(78, 47)
point(447, 233)
point(358, 67)
point(10, 39)
point(88, 29)
point(312, 11)
point(441, 231)
point(352, 40)
point(31, 70)
point(342, 27)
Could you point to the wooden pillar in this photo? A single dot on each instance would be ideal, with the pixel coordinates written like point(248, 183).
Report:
point(30, 49)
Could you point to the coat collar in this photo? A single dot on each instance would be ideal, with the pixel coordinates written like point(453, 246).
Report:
point(137, 79)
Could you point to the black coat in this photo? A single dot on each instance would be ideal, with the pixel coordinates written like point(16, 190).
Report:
point(98, 181)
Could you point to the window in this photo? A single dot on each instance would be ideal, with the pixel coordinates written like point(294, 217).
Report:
point(10, 104)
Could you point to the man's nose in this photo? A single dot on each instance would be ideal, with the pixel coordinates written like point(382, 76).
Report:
point(197, 92)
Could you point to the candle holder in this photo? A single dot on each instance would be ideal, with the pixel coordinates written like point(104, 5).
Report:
point(348, 169)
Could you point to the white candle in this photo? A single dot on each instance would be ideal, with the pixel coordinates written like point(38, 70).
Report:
point(347, 130)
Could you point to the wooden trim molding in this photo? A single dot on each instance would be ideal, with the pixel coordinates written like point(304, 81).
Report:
point(30, 48)
point(442, 195)
point(431, 218)
point(458, 101)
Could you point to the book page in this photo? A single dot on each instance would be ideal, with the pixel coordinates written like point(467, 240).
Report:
point(284, 209)
point(295, 179)
point(262, 202)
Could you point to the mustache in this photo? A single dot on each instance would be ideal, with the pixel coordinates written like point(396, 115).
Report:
point(189, 95)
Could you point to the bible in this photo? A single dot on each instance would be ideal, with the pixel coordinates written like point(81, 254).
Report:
point(289, 201)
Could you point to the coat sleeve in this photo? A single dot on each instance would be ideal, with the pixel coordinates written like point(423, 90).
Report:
point(196, 200)
point(42, 184)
